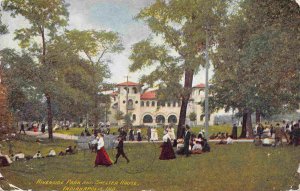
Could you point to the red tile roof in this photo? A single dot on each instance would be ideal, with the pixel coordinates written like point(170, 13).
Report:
point(128, 84)
point(148, 95)
point(199, 86)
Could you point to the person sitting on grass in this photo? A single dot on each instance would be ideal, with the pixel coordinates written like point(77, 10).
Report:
point(197, 148)
point(51, 153)
point(37, 155)
point(267, 142)
point(69, 150)
point(18, 156)
point(4, 160)
point(213, 136)
point(61, 153)
point(205, 146)
point(180, 147)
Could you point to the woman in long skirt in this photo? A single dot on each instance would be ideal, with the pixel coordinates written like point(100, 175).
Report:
point(139, 134)
point(167, 151)
point(102, 157)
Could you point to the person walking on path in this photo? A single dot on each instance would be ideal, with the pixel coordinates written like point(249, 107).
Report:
point(22, 128)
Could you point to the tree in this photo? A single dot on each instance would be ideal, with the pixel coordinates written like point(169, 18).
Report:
point(96, 46)
point(183, 26)
point(119, 115)
point(255, 63)
point(193, 117)
point(3, 27)
point(127, 120)
point(45, 19)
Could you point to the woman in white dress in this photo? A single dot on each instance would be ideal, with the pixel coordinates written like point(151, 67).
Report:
point(155, 134)
point(152, 134)
point(172, 133)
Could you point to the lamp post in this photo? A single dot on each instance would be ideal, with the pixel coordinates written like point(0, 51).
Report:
point(206, 124)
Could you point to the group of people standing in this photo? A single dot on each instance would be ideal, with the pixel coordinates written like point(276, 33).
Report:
point(33, 126)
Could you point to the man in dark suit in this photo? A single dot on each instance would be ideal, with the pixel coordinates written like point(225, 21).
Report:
point(120, 150)
point(187, 137)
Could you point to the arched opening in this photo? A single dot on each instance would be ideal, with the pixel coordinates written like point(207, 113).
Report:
point(147, 104)
point(134, 89)
point(147, 119)
point(133, 117)
point(160, 119)
point(172, 119)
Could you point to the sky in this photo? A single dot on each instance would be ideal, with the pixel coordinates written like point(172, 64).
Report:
point(113, 15)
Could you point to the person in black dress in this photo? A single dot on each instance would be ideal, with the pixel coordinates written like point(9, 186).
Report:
point(131, 135)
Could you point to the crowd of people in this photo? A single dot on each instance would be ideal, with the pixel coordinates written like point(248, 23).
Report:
point(273, 134)
point(189, 144)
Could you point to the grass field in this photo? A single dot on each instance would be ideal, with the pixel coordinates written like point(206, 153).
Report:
point(212, 129)
point(237, 167)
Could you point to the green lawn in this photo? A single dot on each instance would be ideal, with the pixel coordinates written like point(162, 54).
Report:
point(241, 166)
point(212, 129)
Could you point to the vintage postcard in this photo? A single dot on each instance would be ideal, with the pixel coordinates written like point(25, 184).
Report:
point(149, 95)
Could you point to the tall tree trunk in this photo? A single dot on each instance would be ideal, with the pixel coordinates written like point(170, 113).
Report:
point(50, 116)
point(188, 82)
point(257, 116)
point(48, 98)
point(249, 124)
point(244, 129)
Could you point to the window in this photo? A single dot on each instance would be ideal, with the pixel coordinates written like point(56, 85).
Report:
point(136, 102)
point(142, 103)
point(160, 119)
point(126, 90)
point(130, 104)
point(163, 104)
point(147, 103)
point(169, 104)
point(124, 101)
point(133, 117)
point(172, 119)
point(153, 104)
point(147, 119)
point(202, 117)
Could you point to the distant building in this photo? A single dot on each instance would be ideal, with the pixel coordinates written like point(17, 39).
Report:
point(146, 109)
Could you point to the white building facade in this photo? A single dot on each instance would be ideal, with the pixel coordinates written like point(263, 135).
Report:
point(146, 109)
